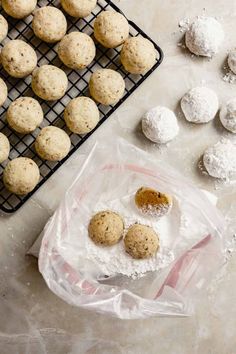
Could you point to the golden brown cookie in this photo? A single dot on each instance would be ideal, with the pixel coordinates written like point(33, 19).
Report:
point(151, 202)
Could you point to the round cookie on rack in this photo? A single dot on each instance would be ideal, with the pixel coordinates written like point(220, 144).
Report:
point(52, 144)
point(111, 29)
point(153, 203)
point(138, 55)
point(21, 175)
point(24, 115)
point(3, 92)
point(3, 28)
point(106, 86)
point(19, 59)
point(79, 8)
point(20, 8)
point(81, 115)
point(49, 82)
point(49, 24)
point(76, 50)
point(4, 147)
point(141, 242)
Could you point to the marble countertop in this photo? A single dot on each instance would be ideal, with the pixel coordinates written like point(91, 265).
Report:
point(35, 321)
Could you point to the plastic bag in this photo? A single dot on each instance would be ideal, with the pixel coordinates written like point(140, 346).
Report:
point(112, 171)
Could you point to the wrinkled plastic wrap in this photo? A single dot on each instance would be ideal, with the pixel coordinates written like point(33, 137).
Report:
point(114, 171)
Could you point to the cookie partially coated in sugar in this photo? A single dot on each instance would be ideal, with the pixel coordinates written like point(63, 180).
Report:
point(153, 203)
point(141, 242)
point(3, 28)
point(19, 8)
point(3, 92)
point(4, 147)
point(79, 8)
point(106, 228)
point(21, 175)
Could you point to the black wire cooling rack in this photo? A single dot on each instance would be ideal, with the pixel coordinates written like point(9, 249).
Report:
point(22, 145)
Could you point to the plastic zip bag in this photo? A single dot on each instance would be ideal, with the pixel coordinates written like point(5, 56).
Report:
point(111, 171)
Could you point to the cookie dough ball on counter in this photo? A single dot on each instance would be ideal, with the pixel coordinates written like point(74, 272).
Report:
point(18, 58)
point(77, 50)
point(24, 115)
point(106, 228)
point(141, 242)
point(152, 203)
point(21, 175)
point(20, 8)
point(49, 24)
point(111, 29)
point(49, 82)
point(3, 92)
point(200, 105)
point(52, 144)
point(4, 147)
point(3, 28)
point(81, 115)
point(79, 8)
point(106, 86)
point(220, 159)
point(160, 125)
point(232, 60)
point(204, 36)
point(138, 55)
point(228, 115)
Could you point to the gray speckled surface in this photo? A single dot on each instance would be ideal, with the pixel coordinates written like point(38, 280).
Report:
point(33, 320)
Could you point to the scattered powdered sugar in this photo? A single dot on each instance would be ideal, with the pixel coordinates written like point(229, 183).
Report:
point(184, 24)
point(229, 77)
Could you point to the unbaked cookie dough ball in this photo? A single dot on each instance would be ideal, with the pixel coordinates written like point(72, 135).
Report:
point(111, 29)
point(106, 228)
point(200, 105)
point(49, 24)
point(81, 115)
point(153, 203)
point(232, 60)
point(21, 175)
point(228, 115)
point(4, 147)
point(141, 242)
point(52, 144)
point(3, 92)
point(220, 159)
point(19, 8)
point(76, 50)
point(79, 8)
point(49, 82)
point(3, 28)
point(160, 125)
point(18, 58)
point(138, 55)
point(106, 86)
point(24, 115)
point(204, 36)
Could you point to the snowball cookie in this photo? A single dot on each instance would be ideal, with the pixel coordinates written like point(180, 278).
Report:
point(49, 24)
point(21, 175)
point(106, 228)
point(138, 55)
point(24, 115)
point(204, 36)
point(228, 115)
point(111, 29)
point(76, 50)
point(160, 125)
point(52, 144)
point(200, 105)
point(19, 8)
point(4, 147)
point(232, 60)
point(106, 86)
point(141, 242)
point(220, 159)
point(81, 115)
point(3, 92)
point(49, 82)
point(151, 202)
point(18, 58)
point(79, 8)
point(3, 28)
